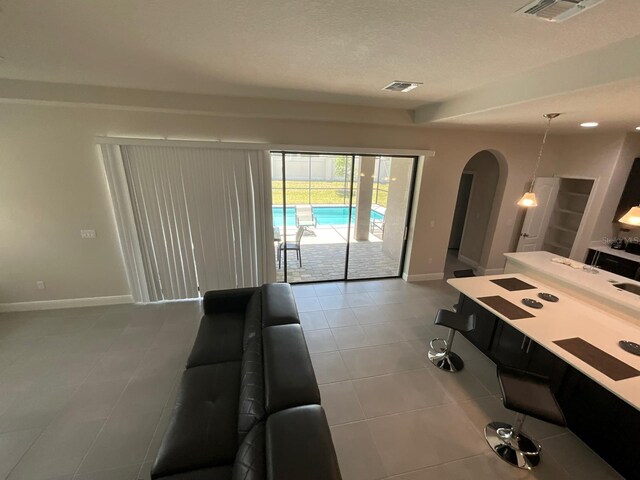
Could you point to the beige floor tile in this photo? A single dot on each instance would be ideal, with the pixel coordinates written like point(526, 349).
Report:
point(308, 304)
point(333, 302)
point(313, 321)
point(462, 385)
point(329, 367)
point(350, 337)
point(372, 314)
point(383, 333)
point(340, 403)
point(343, 317)
point(359, 299)
point(325, 289)
point(357, 454)
point(486, 467)
point(399, 392)
point(578, 459)
point(319, 341)
point(485, 371)
point(381, 359)
point(13, 446)
point(423, 438)
point(57, 452)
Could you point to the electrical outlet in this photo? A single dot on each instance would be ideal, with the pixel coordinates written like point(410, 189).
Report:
point(432, 223)
point(40, 284)
point(88, 233)
point(430, 261)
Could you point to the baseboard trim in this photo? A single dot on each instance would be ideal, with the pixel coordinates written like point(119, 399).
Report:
point(422, 277)
point(468, 261)
point(65, 303)
point(490, 271)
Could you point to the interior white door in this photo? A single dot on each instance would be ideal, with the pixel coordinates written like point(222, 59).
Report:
point(537, 218)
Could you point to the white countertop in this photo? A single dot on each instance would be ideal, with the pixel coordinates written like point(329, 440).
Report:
point(567, 318)
point(596, 289)
point(612, 251)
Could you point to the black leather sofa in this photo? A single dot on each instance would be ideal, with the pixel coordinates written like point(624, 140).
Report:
point(249, 405)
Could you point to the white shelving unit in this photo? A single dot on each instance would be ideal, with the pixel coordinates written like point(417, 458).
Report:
point(571, 202)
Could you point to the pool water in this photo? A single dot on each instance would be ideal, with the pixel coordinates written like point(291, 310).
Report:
point(325, 216)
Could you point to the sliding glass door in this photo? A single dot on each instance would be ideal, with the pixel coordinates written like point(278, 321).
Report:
point(330, 215)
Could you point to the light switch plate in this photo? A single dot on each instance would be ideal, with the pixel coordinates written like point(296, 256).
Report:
point(88, 233)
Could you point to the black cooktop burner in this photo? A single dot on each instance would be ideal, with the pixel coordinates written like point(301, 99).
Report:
point(630, 347)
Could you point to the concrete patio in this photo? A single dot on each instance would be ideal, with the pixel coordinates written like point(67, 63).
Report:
point(323, 251)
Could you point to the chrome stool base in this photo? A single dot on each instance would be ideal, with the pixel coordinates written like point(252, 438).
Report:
point(518, 450)
point(449, 362)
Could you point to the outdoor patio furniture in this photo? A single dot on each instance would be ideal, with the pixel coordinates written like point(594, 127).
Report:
point(305, 217)
point(295, 246)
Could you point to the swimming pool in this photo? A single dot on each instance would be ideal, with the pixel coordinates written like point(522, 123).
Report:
point(325, 216)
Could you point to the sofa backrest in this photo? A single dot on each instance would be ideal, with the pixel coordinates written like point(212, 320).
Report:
point(288, 374)
point(278, 305)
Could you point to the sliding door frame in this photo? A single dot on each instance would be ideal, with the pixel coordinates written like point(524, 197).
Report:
point(352, 155)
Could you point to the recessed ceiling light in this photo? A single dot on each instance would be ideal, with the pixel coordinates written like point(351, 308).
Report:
point(638, 128)
point(589, 124)
point(401, 86)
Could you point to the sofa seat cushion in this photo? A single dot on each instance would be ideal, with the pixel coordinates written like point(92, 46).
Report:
point(219, 339)
point(299, 445)
point(203, 432)
point(288, 373)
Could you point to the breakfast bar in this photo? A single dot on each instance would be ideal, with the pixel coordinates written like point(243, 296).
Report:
point(573, 343)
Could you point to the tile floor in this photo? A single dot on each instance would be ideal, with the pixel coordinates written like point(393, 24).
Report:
point(85, 394)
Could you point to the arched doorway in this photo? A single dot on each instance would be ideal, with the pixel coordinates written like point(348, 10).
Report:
point(478, 196)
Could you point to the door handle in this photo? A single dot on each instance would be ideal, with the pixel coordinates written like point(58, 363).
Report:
point(529, 346)
point(525, 235)
point(523, 341)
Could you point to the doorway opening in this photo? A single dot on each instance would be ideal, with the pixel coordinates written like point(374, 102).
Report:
point(340, 216)
point(473, 212)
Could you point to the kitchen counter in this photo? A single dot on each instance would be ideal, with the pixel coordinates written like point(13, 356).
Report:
point(599, 247)
point(594, 289)
point(568, 318)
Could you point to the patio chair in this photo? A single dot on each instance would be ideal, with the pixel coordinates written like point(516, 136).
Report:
point(284, 246)
point(305, 217)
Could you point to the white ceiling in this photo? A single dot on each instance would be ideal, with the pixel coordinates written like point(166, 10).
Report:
point(321, 51)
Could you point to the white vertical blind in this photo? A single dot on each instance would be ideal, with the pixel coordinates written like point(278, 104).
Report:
point(202, 216)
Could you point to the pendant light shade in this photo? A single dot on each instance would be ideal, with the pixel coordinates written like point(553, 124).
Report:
point(632, 217)
point(529, 199)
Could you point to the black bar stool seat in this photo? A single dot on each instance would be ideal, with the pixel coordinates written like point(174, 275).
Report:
point(463, 273)
point(440, 353)
point(527, 394)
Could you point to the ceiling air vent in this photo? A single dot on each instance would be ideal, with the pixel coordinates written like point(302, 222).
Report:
point(403, 87)
point(556, 10)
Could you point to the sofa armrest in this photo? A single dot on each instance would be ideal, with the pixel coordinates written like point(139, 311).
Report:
point(278, 305)
point(299, 445)
point(289, 378)
point(221, 301)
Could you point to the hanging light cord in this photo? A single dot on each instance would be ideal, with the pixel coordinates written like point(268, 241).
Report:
point(550, 117)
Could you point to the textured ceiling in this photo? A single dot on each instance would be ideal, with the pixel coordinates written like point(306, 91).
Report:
point(325, 51)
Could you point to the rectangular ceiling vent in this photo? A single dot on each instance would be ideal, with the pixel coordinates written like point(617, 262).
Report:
point(556, 10)
point(399, 86)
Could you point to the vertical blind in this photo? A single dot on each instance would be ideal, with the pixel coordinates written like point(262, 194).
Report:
point(202, 218)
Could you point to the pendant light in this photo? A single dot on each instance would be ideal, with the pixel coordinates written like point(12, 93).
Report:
point(632, 217)
point(529, 199)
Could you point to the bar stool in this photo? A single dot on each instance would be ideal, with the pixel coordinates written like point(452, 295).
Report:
point(527, 394)
point(463, 273)
point(440, 353)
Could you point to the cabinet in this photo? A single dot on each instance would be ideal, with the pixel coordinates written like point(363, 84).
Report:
point(618, 265)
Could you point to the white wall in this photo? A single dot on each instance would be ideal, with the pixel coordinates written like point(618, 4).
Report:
point(485, 169)
point(52, 185)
